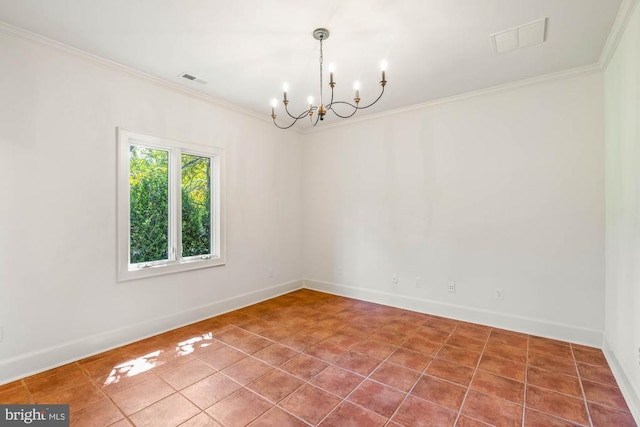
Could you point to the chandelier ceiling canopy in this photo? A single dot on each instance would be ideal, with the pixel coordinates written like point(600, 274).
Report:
point(342, 109)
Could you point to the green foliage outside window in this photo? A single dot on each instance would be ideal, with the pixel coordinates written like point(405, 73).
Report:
point(149, 204)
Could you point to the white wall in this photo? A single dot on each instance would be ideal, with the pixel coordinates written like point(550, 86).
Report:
point(59, 298)
point(622, 142)
point(503, 190)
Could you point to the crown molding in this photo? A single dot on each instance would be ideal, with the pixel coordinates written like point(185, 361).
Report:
point(116, 66)
point(587, 69)
point(617, 31)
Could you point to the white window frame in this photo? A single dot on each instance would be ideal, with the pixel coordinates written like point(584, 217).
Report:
point(175, 263)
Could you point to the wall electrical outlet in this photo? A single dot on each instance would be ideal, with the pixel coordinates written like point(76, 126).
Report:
point(452, 288)
point(418, 282)
point(499, 293)
point(394, 279)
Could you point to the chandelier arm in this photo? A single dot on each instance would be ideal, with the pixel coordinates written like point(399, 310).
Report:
point(305, 113)
point(284, 127)
point(331, 102)
point(377, 99)
point(355, 110)
point(317, 119)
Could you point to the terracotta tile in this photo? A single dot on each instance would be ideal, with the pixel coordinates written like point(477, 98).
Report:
point(592, 357)
point(118, 381)
point(389, 336)
point(259, 324)
point(247, 370)
point(113, 361)
point(276, 354)
point(552, 363)
point(310, 403)
point(122, 423)
point(55, 378)
point(277, 417)
point(67, 368)
point(16, 394)
point(201, 420)
point(494, 385)
point(99, 413)
point(275, 385)
point(432, 334)
point(210, 390)
point(194, 346)
point(459, 355)
point(395, 376)
point(77, 397)
point(170, 356)
point(337, 381)
point(554, 381)
point(221, 358)
point(141, 395)
point(358, 363)
point(278, 333)
point(604, 416)
point(464, 421)
point(252, 344)
point(348, 414)
point(304, 366)
point(145, 346)
point(421, 345)
point(416, 412)
point(472, 330)
point(503, 367)
point(534, 418)
point(550, 348)
point(410, 359)
point(233, 335)
point(599, 374)
point(377, 349)
point(519, 341)
point(239, 409)
point(465, 342)
point(327, 351)
point(492, 410)
point(444, 393)
point(377, 397)
point(11, 385)
point(187, 374)
point(449, 371)
point(171, 410)
point(441, 323)
point(302, 341)
point(505, 351)
point(604, 395)
point(556, 404)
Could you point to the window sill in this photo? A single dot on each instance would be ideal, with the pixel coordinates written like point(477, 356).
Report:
point(125, 274)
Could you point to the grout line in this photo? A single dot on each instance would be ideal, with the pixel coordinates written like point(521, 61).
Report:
point(526, 382)
point(473, 375)
point(584, 395)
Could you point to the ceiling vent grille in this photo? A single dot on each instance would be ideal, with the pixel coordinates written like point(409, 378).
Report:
point(525, 35)
point(192, 78)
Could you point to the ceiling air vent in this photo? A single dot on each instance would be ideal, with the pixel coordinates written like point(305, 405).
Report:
point(192, 78)
point(518, 37)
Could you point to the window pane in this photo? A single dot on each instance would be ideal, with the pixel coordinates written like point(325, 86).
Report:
point(196, 205)
point(149, 204)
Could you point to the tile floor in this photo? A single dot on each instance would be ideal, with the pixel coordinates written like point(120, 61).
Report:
point(308, 358)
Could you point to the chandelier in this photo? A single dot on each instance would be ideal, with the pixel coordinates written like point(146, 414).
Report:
point(322, 109)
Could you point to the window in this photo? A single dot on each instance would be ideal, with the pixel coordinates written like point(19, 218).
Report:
point(170, 206)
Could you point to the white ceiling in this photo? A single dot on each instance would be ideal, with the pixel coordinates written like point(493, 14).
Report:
point(247, 49)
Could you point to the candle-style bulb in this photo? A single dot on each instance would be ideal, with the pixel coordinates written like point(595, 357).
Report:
point(310, 101)
point(285, 88)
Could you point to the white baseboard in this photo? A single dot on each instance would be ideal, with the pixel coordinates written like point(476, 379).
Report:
point(511, 322)
point(24, 365)
point(630, 393)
